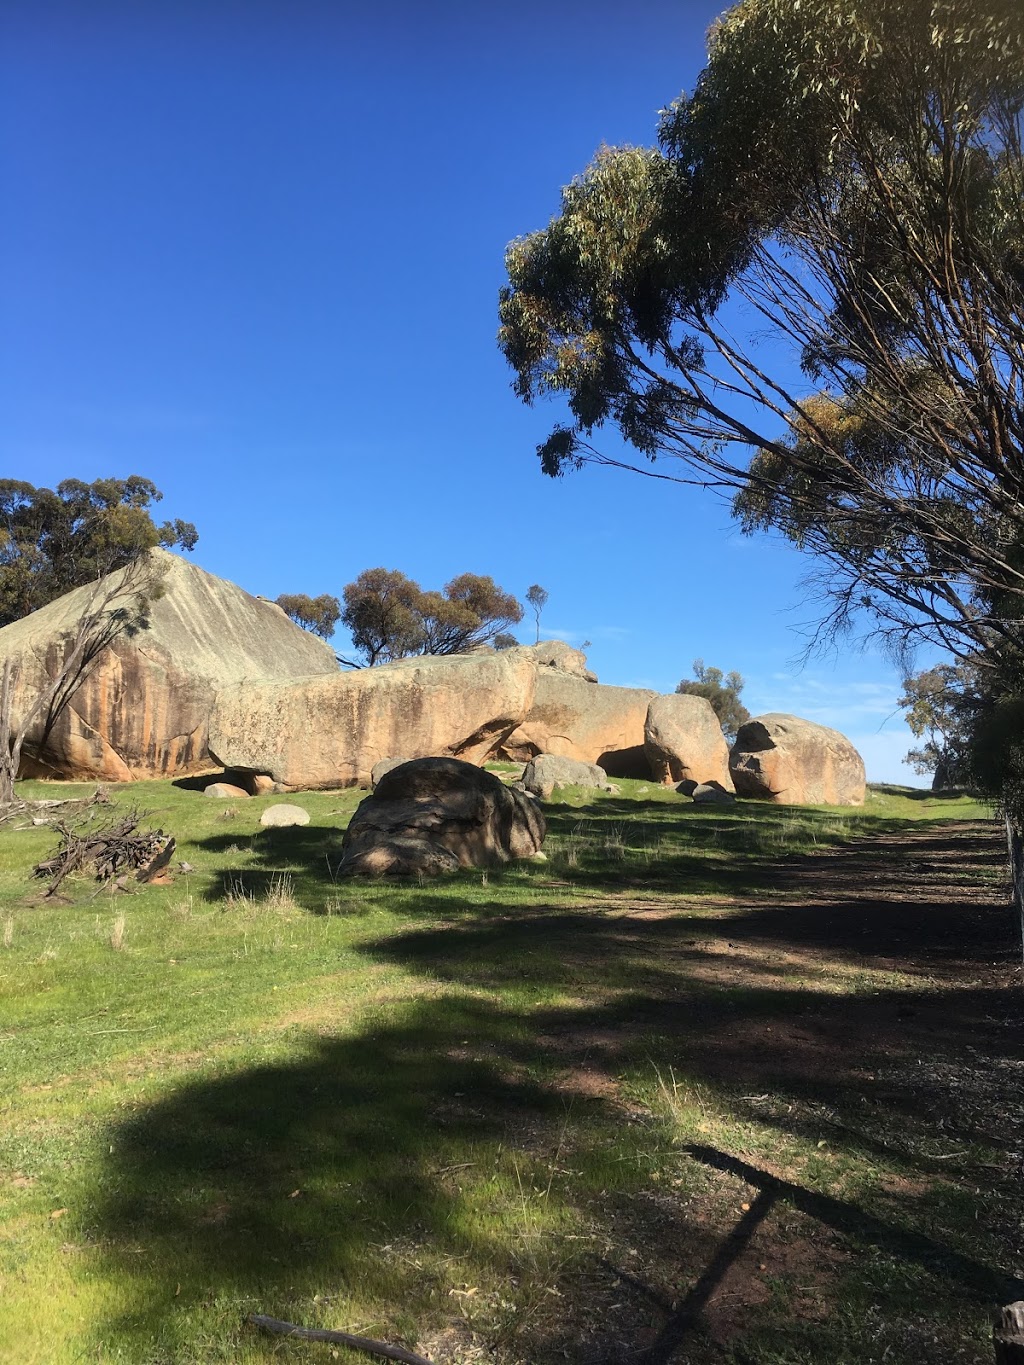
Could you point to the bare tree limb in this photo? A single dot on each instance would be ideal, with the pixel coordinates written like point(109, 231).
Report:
point(374, 1348)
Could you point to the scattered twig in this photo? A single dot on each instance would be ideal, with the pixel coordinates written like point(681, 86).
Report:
point(375, 1348)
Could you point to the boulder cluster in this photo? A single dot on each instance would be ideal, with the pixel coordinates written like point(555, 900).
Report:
point(218, 676)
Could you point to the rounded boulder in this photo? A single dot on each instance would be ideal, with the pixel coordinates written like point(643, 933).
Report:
point(796, 762)
point(683, 741)
point(432, 815)
point(282, 815)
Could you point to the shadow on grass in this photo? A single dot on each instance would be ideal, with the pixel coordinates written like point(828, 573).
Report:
point(267, 1186)
point(608, 847)
point(341, 1173)
point(374, 1168)
point(307, 853)
point(847, 1219)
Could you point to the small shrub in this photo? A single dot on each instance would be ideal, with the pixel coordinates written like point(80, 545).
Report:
point(614, 844)
point(117, 934)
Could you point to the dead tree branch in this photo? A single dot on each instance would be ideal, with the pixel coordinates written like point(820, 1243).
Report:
point(374, 1348)
point(110, 850)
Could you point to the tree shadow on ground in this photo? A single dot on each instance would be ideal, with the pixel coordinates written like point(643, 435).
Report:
point(344, 1176)
point(286, 1180)
point(724, 1003)
point(261, 1190)
point(307, 853)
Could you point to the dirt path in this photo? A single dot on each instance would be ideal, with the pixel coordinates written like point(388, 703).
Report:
point(930, 901)
point(870, 1006)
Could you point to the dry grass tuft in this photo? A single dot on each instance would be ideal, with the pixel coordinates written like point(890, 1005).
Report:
point(237, 895)
point(280, 894)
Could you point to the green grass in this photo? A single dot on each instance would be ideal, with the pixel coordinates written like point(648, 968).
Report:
point(437, 1112)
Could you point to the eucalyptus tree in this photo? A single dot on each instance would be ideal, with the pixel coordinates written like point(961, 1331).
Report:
point(847, 175)
point(318, 615)
point(538, 600)
point(722, 691)
point(389, 616)
point(53, 540)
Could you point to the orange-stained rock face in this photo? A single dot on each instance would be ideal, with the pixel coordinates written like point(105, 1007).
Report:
point(143, 708)
point(333, 731)
point(574, 718)
point(796, 762)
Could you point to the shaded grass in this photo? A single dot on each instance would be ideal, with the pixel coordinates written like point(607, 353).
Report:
point(442, 1112)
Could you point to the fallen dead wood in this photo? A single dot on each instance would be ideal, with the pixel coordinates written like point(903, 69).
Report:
point(374, 1348)
point(48, 812)
point(1008, 1337)
point(110, 850)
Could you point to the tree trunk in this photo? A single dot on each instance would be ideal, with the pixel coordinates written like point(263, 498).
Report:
point(1015, 845)
point(1008, 1337)
point(10, 743)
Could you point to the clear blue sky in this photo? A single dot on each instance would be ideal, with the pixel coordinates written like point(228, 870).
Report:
point(252, 251)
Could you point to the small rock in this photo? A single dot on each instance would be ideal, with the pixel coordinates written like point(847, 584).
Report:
point(711, 794)
point(226, 791)
point(548, 771)
point(282, 815)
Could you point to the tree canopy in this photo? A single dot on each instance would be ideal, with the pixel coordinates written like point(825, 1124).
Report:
point(319, 615)
point(53, 540)
point(389, 616)
point(851, 173)
point(722, 691)
point(940, 705)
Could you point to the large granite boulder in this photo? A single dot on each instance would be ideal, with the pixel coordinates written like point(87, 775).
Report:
point(548, 771)
point(683, 741)
point(333, 731)
point(433, 815)
point(142, 709)
point(588, 721)
point(796, 762)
